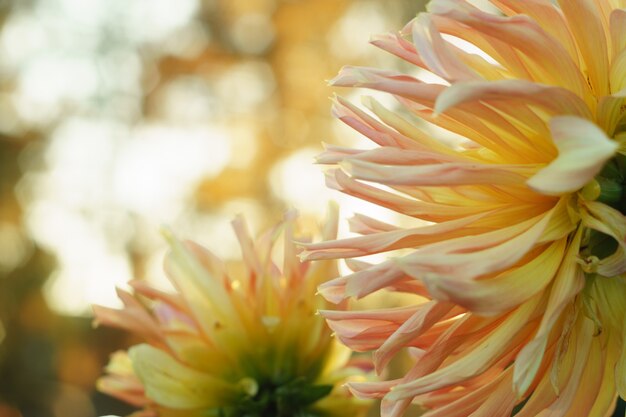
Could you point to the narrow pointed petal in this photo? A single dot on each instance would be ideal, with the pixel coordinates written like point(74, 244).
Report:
point(369, 244)
point(133, 318)
point(390, 82)
point(556, 100)
point(545, 401)
point(436, 54)
point(609, 111)
point(567, 284)
point(205, 295)
point(398, 46)
point(128, 390)
point(423, 319)
point(444, 174)
point(617, 75)
point(586, 25)
point(551, 63)
point(607, 392)
point(510, 288)
point(365, 225)
point(618, 35)
point(483, 355)
point(548, 16)
point(591, 378)
point(429, 264)
point(470, 398)
point(339, 180)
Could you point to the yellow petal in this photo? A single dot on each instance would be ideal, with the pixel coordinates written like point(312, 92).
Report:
point(544, 401)
point(607, 394)
point(586, 25)
point(610, 108)
point(618, 72)
point(620, 367)
point(567, 284)
point(618, 34)
point(175, 385)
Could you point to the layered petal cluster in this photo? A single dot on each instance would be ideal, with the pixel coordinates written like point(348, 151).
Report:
point(234, 340)
point(512, 165)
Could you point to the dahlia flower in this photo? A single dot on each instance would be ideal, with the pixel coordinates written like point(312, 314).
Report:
point(518, 252)
point(230, 342)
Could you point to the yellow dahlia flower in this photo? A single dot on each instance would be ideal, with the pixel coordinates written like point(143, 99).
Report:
point(244, 341)
point(521, 263)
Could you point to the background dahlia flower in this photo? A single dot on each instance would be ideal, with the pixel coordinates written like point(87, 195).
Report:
point(521, 265)
point(234, 342)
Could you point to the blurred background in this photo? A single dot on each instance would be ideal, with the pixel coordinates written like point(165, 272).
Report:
point(120, 116)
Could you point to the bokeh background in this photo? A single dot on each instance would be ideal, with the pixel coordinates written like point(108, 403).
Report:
point(120, 116)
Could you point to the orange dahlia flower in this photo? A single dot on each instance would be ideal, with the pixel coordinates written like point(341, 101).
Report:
point(521, 263)
point(234, 342)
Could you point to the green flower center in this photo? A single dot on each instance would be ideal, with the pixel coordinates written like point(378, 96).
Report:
point(290, 399)
point(608, 187)
point(612, 182)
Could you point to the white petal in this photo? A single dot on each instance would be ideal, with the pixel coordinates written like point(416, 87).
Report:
point(583, 150)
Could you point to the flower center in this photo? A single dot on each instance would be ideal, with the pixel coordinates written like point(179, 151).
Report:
point(609, 185)
point(289, 399)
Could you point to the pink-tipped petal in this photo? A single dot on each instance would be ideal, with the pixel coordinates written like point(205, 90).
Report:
point(556, 100)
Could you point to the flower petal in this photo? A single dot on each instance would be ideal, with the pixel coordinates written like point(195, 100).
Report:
point(134, 317)
point(605, 219)
point(398, 46)
point(390, 82)
point(385, 241)
point(620, 368)
point(205, 294)
point(423, 319)
point(585, 23)
point(473, 256)
point(567, 284)
point(476, 361)
point(442, 174)
point(470, 402)
point(436, 53)
point(339, 180)
point(510, 288)
point(174, 385)
point(591, 379)
point(617, 75)
point(543, 59)
point(549, 17)
point(607, 392)
point(545, 401)
point(556, 100)
point(617, 23)
point(583, 150)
